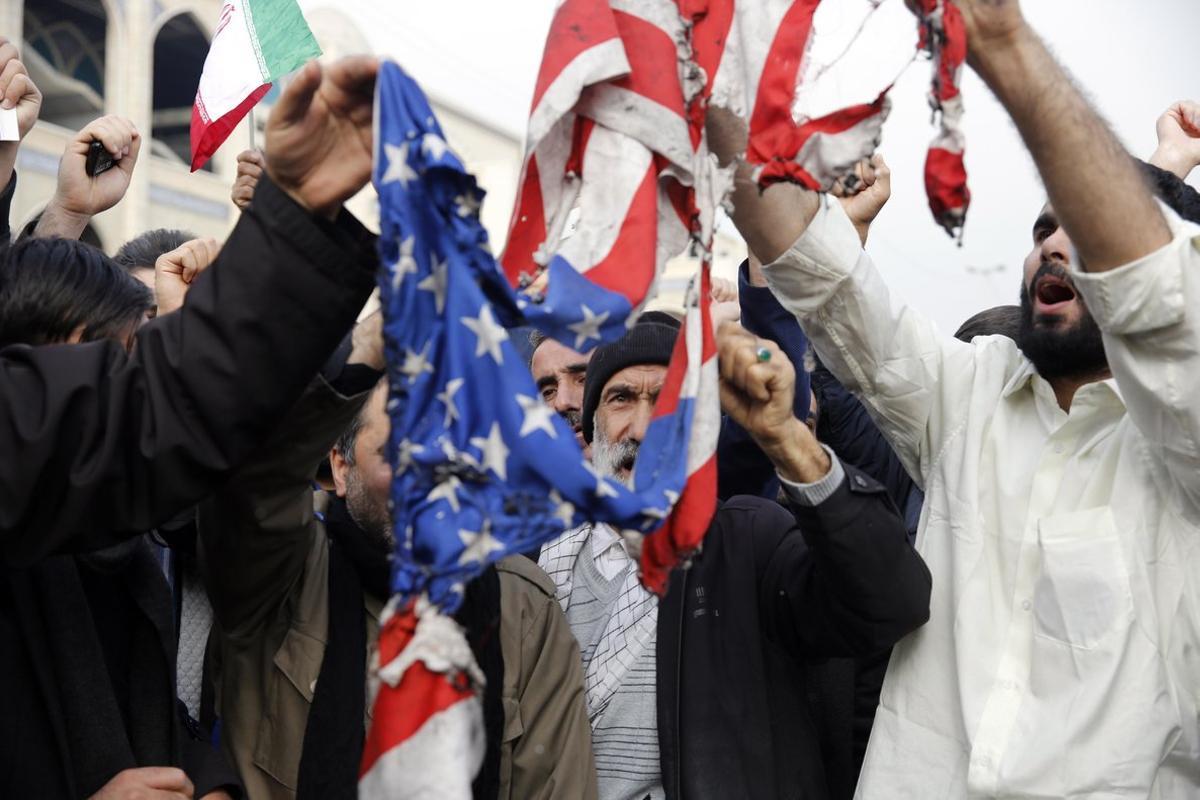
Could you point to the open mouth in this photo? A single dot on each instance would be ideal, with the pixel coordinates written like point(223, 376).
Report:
point(1053, 295)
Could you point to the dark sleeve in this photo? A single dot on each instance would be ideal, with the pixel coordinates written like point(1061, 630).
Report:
point(209, 769)
point(742, 468)
point(844, 425)
point(96, 441)
point(6, 198)
point(839, 578)
point(257, 530)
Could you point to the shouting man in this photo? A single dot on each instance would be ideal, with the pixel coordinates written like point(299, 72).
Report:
point(1061, 471)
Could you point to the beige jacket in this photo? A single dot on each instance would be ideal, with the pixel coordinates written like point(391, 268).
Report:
point(266, 563)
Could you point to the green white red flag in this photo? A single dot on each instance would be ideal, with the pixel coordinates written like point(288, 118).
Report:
point(257, 42)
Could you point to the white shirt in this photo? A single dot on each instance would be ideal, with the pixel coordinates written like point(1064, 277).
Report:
point(609, 551)
point(1062, 654)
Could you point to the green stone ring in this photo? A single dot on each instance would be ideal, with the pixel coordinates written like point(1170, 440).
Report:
point(764, 355)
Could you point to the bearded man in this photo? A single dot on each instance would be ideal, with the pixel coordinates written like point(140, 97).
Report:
point(1061, 471)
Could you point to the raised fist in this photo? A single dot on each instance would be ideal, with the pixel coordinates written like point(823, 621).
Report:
point(319, 138)
point(86, 196)
point(16, 89)
point(175, 271)
point(1178, 139)
point(871, 189)
point(250, 166)
point(758, 382)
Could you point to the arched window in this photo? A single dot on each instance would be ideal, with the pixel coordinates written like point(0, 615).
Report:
point(64, 53)
point(179, 51)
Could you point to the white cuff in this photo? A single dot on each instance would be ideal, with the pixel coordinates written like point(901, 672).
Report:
point(1148, 294)
point(810, 271)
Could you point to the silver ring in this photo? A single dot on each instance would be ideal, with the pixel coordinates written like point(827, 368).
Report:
point(763, 355)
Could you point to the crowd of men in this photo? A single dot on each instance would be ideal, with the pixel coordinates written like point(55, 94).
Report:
point(942, 567)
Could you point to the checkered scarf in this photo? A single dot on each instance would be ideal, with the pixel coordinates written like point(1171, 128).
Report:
point(628, 631)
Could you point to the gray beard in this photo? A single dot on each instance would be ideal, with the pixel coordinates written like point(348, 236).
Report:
point(610, 457)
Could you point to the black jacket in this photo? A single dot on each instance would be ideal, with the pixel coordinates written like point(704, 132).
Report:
point(769, 592)
point(99, 445)
point(845, 425)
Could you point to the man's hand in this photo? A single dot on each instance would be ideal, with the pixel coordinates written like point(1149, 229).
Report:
point(1098, 194)
point(319, 138)
point(366, 342)
point(872, 186)
point(758, 394)
point(16, 89)
point(175, 271)
point(989, 23)
point(1178, 139)
point(250, 166)
point(725, 306)
point(78, 196)
point(147, 783)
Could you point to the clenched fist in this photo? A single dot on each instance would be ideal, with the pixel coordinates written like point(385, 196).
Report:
point(175, 271)
point(17, 89)
point(250, 166)
point(1178, 139)
point(78, 196)
point(758, 386)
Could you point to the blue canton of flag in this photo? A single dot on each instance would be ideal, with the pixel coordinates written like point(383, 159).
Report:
point(483, 467)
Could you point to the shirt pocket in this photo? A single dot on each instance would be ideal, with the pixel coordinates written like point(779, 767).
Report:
point(291, 684)
point(1097, 718)
point(1083, 595)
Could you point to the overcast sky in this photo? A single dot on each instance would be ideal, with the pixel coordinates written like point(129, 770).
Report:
point(1133, 57)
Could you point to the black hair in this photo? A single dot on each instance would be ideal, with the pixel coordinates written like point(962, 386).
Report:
point(142, 251)
point(349, 438)
point(1002, 320)
point(1170, 188)
point(51, 287)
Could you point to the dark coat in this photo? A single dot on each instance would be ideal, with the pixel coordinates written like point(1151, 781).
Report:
point(770, 592)
point(100, 445)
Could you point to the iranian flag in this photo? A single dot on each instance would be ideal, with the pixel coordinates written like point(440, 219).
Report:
point(256, 42)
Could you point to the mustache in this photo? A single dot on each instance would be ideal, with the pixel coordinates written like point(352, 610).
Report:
point(573, 417)
point(1053, 270)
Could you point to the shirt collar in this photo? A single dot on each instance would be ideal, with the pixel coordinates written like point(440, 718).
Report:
point(1027, 374)
point(603, 538)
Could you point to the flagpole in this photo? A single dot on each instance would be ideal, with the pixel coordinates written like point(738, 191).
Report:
point(250, 117)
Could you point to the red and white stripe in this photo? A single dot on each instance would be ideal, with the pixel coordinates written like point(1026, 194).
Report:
point(610, 117)
point(944, 37)
point(427, 736)
point(692, 376)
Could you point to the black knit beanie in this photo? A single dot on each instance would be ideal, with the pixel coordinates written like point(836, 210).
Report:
point(650, 341)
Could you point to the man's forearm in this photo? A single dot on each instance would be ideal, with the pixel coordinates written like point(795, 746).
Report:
point(58, 222)
point(769, 220)
point(1093, 183)
point(796, 454)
